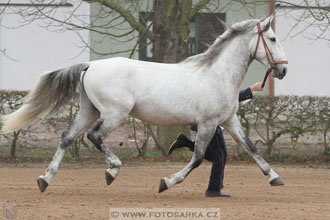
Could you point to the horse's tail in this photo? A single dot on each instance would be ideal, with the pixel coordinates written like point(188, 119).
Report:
point(54, 90)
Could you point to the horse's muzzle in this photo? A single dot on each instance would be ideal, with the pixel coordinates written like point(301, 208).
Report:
point(280, 70)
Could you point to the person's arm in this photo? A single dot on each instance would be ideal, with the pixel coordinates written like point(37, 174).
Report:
point(248, 93)
point(245, 94)
point(193, 128)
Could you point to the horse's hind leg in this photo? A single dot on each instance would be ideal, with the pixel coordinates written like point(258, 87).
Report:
point(234, 127)
point(87, 115)
point(97, 136)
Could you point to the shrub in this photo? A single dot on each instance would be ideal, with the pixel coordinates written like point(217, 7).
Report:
point(271, 118)
point(287, 115)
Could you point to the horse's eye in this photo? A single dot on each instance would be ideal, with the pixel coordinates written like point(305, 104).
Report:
point(273, 39)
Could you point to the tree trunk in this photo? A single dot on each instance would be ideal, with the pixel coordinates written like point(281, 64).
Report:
point(171, 31)
point(14, 143)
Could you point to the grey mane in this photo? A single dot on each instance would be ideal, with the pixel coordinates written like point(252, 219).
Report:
point(209, 56)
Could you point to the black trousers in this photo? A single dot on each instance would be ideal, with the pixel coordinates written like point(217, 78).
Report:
point(216, 152)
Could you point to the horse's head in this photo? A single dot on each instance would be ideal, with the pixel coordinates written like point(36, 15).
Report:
point(266, 48)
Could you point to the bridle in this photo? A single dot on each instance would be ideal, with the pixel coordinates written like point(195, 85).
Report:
point(269, 55)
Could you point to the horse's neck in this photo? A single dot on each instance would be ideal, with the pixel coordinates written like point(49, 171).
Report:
point(233, 63)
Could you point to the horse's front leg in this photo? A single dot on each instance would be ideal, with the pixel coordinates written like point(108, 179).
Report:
point(203, 138)
point(234, 127)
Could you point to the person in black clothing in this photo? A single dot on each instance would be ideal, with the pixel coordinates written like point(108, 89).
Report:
point(216, 151)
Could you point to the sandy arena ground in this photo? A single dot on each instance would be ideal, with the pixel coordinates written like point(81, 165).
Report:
point(82, 193)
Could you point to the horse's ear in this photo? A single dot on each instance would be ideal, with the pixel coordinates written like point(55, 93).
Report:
point(224, 24)
point(266, 23)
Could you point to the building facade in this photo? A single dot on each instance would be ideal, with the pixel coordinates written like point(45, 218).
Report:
point(31, 50)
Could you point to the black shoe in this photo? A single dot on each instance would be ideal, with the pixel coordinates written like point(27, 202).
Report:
point(181, 141)
point(214, 193)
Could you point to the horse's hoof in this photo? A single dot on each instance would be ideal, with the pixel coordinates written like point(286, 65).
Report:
point(162, 185)
point(42, 184)
point(109, 178)
point(277, 182)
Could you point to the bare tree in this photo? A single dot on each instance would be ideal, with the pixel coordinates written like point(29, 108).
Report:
point(312, 14)
point(120, 21)
point(123, 22)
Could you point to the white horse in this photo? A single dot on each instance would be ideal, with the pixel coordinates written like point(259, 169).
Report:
point(202, 90)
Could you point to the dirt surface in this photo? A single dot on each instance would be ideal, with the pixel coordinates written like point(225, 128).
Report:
point(81, 193)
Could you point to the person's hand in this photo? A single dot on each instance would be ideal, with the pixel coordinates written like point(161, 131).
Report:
point(256, 87)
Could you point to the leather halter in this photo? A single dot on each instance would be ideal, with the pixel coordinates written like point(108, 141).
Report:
point(269, 55)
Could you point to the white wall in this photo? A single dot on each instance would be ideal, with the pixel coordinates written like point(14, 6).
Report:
point(38, 50)
point(309, 60)
point(35, 50)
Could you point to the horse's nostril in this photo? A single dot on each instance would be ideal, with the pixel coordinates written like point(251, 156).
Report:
point(284, 71)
